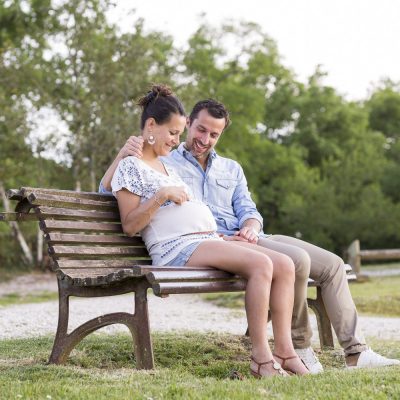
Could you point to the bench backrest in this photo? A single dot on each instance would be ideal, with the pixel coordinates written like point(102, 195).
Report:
point(82, 229)
point(86, 242)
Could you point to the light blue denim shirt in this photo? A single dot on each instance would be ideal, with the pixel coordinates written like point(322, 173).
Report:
point(222, 187)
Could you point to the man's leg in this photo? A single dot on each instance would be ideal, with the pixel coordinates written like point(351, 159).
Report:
point(328, 270)
point(301, 328)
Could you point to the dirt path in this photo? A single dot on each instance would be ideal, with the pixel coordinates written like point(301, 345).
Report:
point(176, 313)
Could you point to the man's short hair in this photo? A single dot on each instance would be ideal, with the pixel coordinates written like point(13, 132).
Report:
point(213, 107)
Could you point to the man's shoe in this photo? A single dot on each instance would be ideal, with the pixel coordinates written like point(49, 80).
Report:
point(310, 360)
point(369, 359)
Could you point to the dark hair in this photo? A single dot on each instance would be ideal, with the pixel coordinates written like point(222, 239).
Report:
point(159, 103)
point(213, 107)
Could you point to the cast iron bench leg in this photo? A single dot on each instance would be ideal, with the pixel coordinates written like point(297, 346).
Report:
point(142, 338)
point(137, 323)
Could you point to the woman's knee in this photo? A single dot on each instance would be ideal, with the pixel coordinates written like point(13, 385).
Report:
point(284, 266)
point(260, 265)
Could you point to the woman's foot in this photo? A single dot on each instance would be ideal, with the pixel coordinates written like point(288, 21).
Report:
point(293, 364)
point(266, 369)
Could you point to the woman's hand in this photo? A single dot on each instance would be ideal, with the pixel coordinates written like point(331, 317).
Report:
point(132, 147)
point(176, 194)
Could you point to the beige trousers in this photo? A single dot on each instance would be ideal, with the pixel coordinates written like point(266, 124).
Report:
point(328, 270)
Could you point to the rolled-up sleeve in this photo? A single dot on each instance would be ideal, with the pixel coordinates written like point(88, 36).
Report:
point(243, 205)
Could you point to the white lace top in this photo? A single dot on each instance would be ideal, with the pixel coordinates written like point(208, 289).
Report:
point(172, 227)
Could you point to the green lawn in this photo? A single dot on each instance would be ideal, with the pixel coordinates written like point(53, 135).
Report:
point(35, 297)
point(188, 366)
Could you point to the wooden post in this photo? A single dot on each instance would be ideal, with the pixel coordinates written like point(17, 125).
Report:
point(354, 256)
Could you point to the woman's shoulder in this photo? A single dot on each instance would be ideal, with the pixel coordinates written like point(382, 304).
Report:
point(131, 162)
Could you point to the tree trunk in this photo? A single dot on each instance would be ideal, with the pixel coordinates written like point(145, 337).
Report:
point(39, 257)
point(93, 182)
point(16, 232)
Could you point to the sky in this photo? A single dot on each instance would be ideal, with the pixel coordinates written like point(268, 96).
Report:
point(356, 42)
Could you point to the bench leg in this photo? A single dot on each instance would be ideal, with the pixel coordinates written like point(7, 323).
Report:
point(323, 322)
point(58, 354)
point(141, 333)
point(137, 323)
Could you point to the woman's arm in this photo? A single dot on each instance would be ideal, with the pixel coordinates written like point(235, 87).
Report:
point(136, 215)
point(132, 147)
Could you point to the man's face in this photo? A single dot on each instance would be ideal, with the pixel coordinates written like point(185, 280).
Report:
point(203, 134)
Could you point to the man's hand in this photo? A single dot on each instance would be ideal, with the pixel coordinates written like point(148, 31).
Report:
point(248, 234)
point(132, 147)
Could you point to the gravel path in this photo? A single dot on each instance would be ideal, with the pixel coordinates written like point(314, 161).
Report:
point(176, 313)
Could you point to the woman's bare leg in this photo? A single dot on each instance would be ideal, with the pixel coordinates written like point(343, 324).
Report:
point(281, 304)
point(257, 268)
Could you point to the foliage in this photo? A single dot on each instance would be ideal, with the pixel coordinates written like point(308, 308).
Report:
point(319, 166)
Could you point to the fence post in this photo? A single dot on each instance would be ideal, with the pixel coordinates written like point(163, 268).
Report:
point(354, 256)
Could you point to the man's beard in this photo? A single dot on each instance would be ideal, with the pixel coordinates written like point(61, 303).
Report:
point(197, 156)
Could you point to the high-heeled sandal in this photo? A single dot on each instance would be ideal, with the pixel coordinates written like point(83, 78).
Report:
point(275, 365)
point(287, 369)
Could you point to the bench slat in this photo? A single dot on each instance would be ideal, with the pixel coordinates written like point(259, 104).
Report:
point(70, 238)
point(141, 270)
point(95, 277)
point(87, 264)
point(162, 289)
point(96, 251)
point(26, 191)
point(14, 194)
point(84, 215)
point(77, 226)
point(184, 275)
point(71, 202)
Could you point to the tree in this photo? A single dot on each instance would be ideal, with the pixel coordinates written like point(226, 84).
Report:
point(384, 116)
point(97, 79)
point(21, 48)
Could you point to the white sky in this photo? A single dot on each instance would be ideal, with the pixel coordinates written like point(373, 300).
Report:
point(356, 42)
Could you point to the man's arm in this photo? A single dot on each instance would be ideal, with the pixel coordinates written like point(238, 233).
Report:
point(132, 147)
point(250, 220)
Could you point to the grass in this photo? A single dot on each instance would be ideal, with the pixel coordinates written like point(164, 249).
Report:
point(377, 296)
point(377, 267)
point(188, 366)
point(7, 274)
point(34, 297)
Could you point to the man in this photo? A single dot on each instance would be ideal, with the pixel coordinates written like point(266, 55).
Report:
point(220, 183)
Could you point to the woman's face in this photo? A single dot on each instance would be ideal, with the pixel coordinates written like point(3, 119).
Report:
point(167, 135)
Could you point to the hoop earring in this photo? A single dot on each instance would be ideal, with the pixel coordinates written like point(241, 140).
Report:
point(151, 140)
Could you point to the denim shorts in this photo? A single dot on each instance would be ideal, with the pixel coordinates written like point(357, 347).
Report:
point(182, 258)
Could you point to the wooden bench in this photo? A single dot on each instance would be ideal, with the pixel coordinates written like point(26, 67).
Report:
point(92, 258)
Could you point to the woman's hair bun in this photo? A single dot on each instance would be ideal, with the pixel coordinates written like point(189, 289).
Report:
point(156, 91)
point(159, 103)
